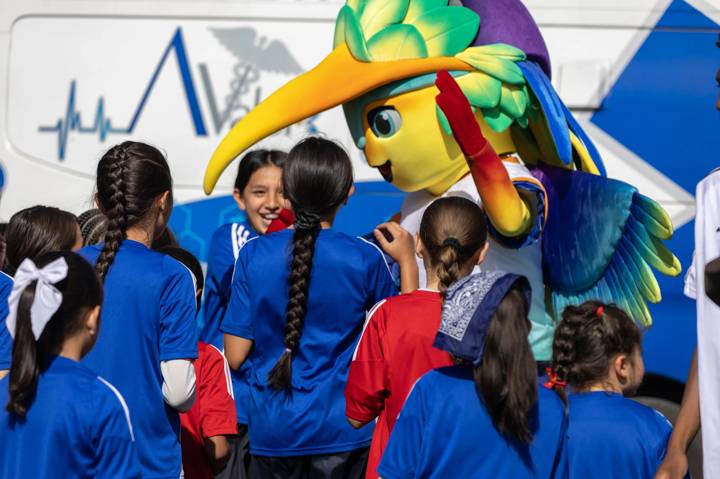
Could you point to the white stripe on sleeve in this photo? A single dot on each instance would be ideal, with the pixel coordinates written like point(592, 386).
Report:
point(122, 403)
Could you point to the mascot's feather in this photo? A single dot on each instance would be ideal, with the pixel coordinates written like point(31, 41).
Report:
point(600, 240)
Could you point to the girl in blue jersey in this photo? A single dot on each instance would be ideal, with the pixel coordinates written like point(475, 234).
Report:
point(298, 306)
point(597, 351)
point(259, 193)
point(30, 233)
point(148, 340)
point(486, 416)
point(59, 418)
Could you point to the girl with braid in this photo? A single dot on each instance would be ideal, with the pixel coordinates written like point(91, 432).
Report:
point(148, 339)
point(396, 345)
point(597, 352)
point(297, 308)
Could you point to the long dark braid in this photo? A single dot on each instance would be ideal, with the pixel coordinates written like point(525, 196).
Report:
point(130, 176)
point(317, 178)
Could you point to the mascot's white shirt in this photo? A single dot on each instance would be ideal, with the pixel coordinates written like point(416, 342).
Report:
point(526, 261)
point(707, 248)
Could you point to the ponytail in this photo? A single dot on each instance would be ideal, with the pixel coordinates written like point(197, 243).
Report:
point(130, 177)
point(81, 291)
point(506, 379)
point(448, 263)
point(452, 231)
point(299, 281)
point(25, 361)
point(114, 211)
point(317, 179)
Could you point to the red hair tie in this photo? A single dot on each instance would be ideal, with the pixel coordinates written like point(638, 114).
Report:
point(600, 311)
point(554, 381)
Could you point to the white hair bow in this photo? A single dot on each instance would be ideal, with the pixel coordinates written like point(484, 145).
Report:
point(47, 298)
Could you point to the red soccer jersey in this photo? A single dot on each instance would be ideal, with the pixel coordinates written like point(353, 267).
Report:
point(213, 413)
point(395, 351)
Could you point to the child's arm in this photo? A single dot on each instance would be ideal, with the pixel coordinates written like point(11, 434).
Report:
point(237, 350)
point(218, 417)
point(366, 390)
point(675, 463)
point(218, 452)
point(402, 249)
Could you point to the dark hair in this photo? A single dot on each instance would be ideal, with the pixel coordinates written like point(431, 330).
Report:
point(506, 379)
point(37, 230)
point(190, 261)
point(253, 161)
point(130, 177)
point(166, 239)
point(93, 224)
point(452, 230)
point(317, 179)
point(81, 291)
point(587, 338)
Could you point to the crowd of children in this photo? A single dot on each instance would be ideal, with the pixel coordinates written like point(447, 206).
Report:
point(315, 358)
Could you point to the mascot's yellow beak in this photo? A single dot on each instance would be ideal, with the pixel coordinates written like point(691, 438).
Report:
point(337, 79)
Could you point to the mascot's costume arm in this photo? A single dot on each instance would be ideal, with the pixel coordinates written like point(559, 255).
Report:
point(503, 205)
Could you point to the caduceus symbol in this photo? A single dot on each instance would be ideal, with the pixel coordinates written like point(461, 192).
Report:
point(254, 54)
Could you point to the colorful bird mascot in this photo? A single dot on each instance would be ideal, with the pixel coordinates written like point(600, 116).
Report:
point(454, 98)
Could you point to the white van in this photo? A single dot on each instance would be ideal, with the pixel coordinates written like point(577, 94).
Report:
point(78, 76)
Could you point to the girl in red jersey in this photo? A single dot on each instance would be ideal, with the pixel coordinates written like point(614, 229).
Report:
point(396, 346)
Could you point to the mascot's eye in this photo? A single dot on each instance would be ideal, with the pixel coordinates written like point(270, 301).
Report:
point(384, 121)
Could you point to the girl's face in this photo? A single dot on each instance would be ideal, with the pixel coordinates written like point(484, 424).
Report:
point(262, 199)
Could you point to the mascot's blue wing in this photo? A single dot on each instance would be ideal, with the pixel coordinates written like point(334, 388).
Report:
point(558, 118)
point(600, 241)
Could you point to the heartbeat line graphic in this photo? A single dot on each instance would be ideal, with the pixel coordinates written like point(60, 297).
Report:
point(102, 126)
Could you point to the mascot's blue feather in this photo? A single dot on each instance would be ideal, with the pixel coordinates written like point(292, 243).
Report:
point(600, 239)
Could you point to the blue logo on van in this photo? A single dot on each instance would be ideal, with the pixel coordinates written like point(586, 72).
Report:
point(253, 54)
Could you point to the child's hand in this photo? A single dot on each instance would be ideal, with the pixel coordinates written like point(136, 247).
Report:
point(396, 242)
point(674, 466)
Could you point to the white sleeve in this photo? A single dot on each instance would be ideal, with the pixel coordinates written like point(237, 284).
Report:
point(690, 288)
point(178, 383)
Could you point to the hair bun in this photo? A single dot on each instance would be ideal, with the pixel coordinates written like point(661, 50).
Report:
point(452, 242)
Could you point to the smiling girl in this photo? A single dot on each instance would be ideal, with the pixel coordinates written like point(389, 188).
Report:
point(259, 193)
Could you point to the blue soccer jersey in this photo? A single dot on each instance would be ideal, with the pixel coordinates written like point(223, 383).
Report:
point(77, 426)
point(445, 431)
point(348, 276)
point(610, 436)
point(225, 246)
point(148, 316)
point(6, 284)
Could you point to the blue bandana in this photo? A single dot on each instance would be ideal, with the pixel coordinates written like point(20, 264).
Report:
point(468, 308)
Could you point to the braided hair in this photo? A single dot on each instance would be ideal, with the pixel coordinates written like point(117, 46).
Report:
point(130, 177)
point(587, 339)
point(452, 230)
point(316, 179)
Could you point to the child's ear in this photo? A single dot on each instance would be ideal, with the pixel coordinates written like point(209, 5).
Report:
point(622, 366)
point(238, 199)
point(92, 321)
point(419, 247)
point(350, 193)
point(483, 253)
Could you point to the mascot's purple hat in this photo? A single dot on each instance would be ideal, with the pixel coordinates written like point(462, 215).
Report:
point(508, 21)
